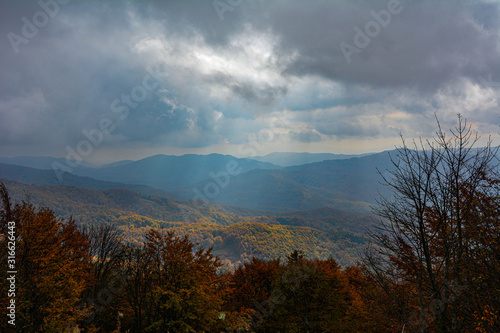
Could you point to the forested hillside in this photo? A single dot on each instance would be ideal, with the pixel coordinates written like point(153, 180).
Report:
point(235, 234)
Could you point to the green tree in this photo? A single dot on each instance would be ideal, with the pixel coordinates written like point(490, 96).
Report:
point(312, 296)
point(300, 296)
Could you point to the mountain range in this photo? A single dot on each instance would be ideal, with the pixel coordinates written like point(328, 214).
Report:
point(242, 207)
point(350, 184)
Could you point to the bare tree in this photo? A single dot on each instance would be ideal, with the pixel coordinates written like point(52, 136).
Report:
point(107, 252)
point(428, 233)
point(138, 286)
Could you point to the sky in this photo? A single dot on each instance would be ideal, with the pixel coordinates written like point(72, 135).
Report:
point(116, 80)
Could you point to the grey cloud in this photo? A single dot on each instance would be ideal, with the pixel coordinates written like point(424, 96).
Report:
point(424, 46)
point(305, 136)
point(346, 128)
point(264, 96)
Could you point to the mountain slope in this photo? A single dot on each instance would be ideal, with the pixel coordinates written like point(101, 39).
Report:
point(169, 172)
point(275, 191)
point(49, 177)
point(96, 206)
point(355, 178)
point(350, 184)
point(321, 234)
point(39, 162)
point(241, 241)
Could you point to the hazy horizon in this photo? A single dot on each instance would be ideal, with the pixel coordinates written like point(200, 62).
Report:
point(135, 160)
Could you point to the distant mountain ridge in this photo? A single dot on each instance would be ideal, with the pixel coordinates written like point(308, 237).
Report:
point(169, 172)
point(348, 184)
point(278, 159)
point(290, 159)
point(39, 162)
point(165, 172)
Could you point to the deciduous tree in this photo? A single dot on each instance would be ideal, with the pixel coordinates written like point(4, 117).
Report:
point(439, 231)
point(52, 264)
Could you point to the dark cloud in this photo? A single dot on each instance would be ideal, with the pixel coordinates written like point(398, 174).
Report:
point(426, 45)
point(264, 96)
point(305, 136)
point(221, 78)
point(348, 128)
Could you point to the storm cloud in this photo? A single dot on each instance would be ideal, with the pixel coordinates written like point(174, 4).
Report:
point(181, 75)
